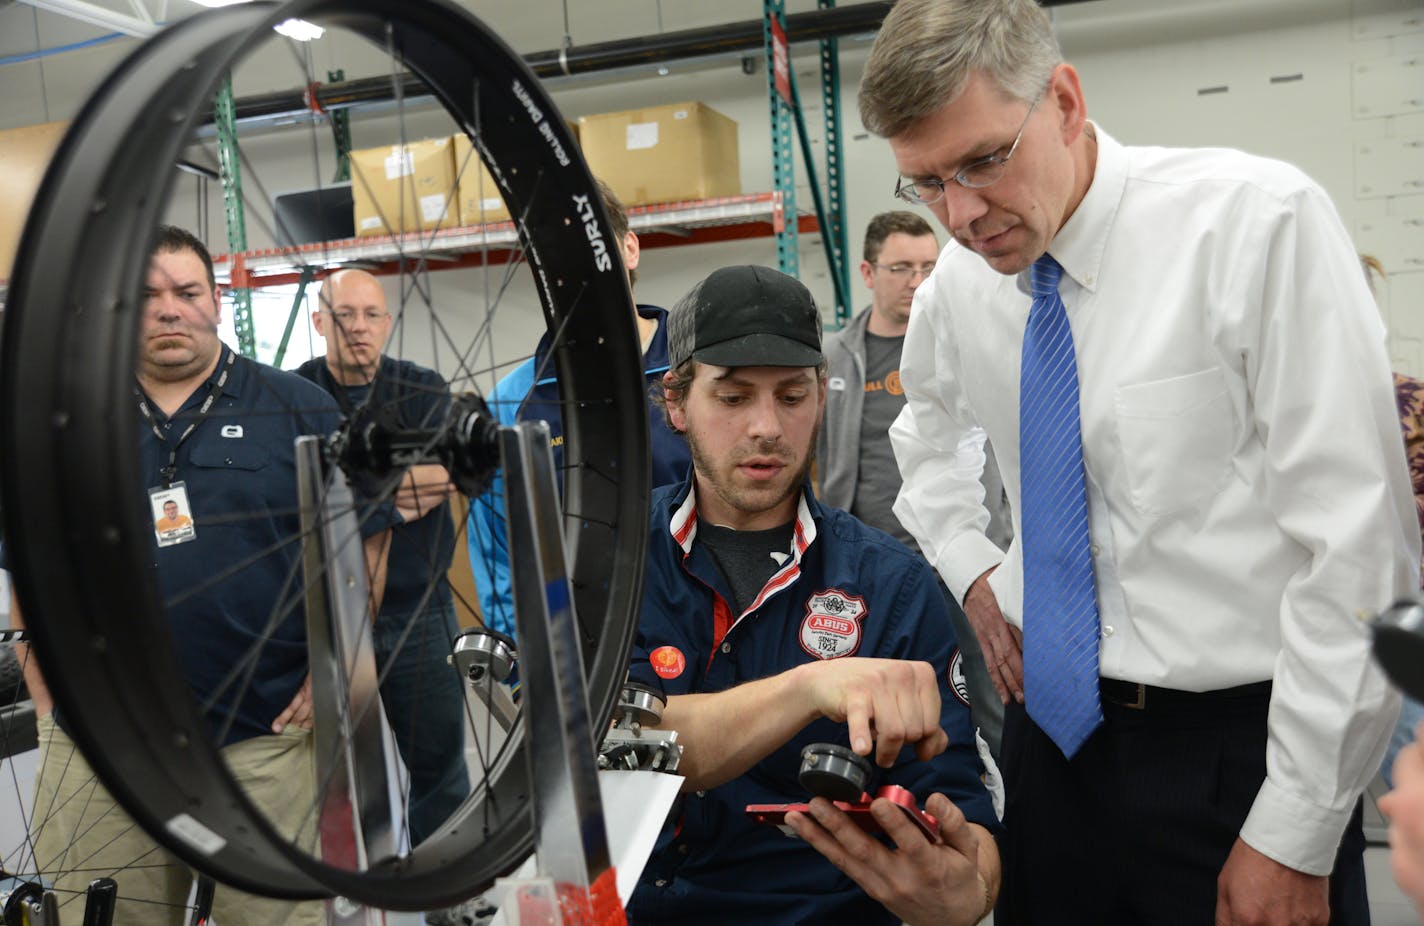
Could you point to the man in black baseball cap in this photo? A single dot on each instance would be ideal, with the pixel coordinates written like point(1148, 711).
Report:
point(770, 623)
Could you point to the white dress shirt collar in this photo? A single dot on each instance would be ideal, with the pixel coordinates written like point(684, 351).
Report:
point(1080, 243)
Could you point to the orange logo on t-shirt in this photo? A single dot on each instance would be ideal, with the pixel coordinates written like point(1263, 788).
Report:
point(667, 661)
point(890, 384)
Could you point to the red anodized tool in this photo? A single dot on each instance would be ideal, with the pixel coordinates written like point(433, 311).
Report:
point(840, 775)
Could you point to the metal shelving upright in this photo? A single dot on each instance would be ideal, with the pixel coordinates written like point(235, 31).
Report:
point(785, 110)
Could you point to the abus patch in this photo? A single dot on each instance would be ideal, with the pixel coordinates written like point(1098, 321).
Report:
point(667, 661)
point(832, 625)
point(957, 681)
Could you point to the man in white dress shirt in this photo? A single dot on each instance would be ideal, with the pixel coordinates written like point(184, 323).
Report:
point(1241, 490)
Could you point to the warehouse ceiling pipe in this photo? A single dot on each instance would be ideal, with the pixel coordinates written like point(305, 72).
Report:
point(709, 41)
point(729, 38)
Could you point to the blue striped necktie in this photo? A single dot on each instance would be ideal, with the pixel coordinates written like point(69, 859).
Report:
point(1060, 606)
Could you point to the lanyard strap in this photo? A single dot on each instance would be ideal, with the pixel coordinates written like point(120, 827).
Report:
point(214, 388)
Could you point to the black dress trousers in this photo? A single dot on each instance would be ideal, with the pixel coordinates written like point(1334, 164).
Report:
point(1136, 827)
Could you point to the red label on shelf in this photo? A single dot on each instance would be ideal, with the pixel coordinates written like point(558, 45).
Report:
point(780, 60)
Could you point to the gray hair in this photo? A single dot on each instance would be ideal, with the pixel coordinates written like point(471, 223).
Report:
point(927, 50)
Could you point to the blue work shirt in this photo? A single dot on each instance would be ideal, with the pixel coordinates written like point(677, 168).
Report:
point(413, 397)
point(847, 590)
point(242, 570)
point(531, 393)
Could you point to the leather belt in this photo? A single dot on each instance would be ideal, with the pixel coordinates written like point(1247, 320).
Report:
point(1142, 697)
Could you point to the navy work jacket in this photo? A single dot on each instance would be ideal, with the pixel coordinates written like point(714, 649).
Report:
point(846, 590)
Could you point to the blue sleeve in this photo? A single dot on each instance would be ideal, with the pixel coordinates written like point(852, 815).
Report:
point(489, 558)
point(488, 546)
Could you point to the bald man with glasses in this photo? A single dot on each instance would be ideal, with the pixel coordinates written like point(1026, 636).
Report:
point(423, 697)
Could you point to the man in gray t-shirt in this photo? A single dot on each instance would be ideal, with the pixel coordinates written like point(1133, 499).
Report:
point(856, 467)
point(877, 477)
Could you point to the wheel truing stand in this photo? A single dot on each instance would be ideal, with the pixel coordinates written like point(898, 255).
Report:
point(630, 744)
point(355, 805)
point(571, 843)
point(486, 659)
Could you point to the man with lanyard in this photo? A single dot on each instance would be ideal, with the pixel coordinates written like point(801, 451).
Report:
point(217, 434)
point(423, 697)
point(530, 392)
point(1186, 385)
point(856, 466)
point(772, 622)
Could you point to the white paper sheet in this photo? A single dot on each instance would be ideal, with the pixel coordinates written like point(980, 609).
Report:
point(635, 804)
point(642, 135)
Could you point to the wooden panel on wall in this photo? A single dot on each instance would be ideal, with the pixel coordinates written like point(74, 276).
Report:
point(24, 155)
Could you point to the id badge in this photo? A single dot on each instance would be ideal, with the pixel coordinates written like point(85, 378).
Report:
point(172, 516)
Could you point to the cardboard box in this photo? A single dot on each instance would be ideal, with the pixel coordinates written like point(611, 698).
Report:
point(25, 154)
point(663, 153)
point(480, 200)
point(404, 188)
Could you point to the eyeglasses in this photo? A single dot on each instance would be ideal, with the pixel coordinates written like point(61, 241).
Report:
point(345, 317)
point(905, 271)
point(974, 176)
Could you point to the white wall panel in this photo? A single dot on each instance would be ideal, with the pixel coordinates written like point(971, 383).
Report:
point(1397, 240)
point(1389, 167)
point(1391, 87)
point(1403, 303)
point(1376, 18)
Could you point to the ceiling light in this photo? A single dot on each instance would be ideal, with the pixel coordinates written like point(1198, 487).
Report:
point(299, 29)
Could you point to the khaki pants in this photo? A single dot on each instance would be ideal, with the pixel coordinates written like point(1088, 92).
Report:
point(80, 834)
